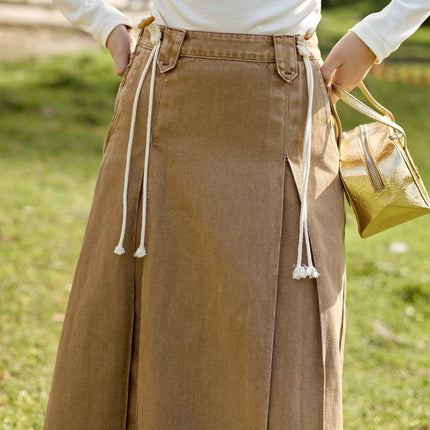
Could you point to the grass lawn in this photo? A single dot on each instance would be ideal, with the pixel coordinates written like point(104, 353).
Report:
point(53, 118)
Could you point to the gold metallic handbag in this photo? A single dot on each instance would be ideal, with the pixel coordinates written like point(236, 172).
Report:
point(380, 179)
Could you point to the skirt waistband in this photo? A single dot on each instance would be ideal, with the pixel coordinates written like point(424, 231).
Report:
point(233, 46)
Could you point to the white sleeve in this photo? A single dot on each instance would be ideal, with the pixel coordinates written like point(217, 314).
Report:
point(93, 16)
point(384, 31)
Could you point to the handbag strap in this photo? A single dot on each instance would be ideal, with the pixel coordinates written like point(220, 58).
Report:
point(372, 100)
point(334, 114)
point(387, 118)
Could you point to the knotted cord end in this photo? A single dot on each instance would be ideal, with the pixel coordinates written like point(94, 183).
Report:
point(119, 250)
point(302, 272)
point(140, 252)
point(299, 272)
point(312, 272)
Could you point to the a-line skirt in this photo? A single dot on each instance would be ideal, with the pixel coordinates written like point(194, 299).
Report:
point(209, 330)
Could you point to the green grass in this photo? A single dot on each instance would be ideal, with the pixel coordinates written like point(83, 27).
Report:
point(336, 21)
point(53, 118)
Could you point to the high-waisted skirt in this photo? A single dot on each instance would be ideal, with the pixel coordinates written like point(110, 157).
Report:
point(219, 176)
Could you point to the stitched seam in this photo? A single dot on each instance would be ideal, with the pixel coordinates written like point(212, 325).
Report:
point(232, 35)
point(157, 104)
point(119, 102)
point(326, 95)
point(172, 54)
point(327, 106)
point(209, 57)
point(322, 339)
point(276, 300)
point(113, 124)
point(234, 57)
point(130, 353)
point(286, 121)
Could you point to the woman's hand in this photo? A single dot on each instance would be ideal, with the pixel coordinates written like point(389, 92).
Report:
point(121, 44)
point(348, 63)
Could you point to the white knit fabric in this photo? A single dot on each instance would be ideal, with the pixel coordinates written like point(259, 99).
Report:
point(156, 42)
point(383, 31)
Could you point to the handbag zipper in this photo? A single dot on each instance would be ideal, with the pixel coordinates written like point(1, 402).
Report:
point(371, 167)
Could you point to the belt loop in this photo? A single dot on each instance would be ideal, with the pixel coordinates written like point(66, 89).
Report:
point(170, 48)
point(286, 56)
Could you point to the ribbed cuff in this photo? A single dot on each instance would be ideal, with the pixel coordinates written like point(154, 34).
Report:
point(107, 29)
point(373, 40)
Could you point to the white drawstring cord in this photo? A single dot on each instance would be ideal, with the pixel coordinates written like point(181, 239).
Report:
point(301, 270)
point(156, 42)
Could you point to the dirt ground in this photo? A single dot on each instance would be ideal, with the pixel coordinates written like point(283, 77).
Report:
point(18, 42)
point(30, 29)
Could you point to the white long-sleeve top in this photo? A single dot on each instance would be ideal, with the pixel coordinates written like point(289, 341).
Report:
point(382, 31)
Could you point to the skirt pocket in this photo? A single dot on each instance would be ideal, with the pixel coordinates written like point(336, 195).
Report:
point(130, 72)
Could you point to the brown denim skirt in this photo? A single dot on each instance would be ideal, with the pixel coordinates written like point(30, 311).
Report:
point(209, 330)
